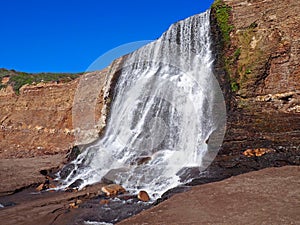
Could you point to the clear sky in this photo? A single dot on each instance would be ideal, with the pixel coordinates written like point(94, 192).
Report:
point(67, 36)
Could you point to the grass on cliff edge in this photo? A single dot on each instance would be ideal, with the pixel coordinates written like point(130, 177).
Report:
point(18, 79)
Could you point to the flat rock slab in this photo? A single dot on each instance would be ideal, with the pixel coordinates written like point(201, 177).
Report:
point(19, 173)
point(32, 207)
point(268, 196)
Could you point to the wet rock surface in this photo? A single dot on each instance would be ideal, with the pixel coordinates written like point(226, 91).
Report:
point(17, 174)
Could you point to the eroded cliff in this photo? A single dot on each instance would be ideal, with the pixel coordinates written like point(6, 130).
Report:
point(256, 44)
point(40, 119)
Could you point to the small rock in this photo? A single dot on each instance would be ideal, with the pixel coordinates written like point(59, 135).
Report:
point(248, 153)
point(76, 184)
point(78, 201)
point(113, 190)
point(73, 205)
point(143, 160)
point(143, 196)
point(257, 152)
point(5, 80)
point(40, 187)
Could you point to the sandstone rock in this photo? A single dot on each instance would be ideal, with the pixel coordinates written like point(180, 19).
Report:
point(257, 152)
point(43, 114)
point(5, 80)
point(78, 201)
point(73, 205)
point(143, 196)
point(40, 187)
point(46, 185)
point(113, 190)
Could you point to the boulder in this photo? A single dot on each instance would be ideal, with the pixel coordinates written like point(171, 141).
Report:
point(143, 196)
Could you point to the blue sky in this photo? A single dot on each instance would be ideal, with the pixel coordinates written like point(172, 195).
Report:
point(67, 36)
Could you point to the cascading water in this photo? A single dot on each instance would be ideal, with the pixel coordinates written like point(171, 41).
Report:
point(162, 115)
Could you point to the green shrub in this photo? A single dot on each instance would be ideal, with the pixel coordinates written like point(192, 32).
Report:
point(248, 71)
point(222, 12)
point(234, 86)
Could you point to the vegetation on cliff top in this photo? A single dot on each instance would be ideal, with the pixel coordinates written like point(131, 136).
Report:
point(18, 79)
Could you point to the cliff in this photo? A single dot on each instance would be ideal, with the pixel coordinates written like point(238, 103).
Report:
point(44, 118)
point(261, 51)
point(256, 44)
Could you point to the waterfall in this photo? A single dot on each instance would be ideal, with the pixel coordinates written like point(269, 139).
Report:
point(163, 116)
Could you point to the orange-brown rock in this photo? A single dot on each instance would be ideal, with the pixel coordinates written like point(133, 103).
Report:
point(40, 187)
point(5, 80)
point(113, 190)
point(73, 205)
point(78, 201)
point(257, 152)
point(143, 196)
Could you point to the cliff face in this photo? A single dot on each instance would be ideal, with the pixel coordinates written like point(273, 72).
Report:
point(262, 58)
point(38, 121)
point(41, 119)
point(258, 66)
